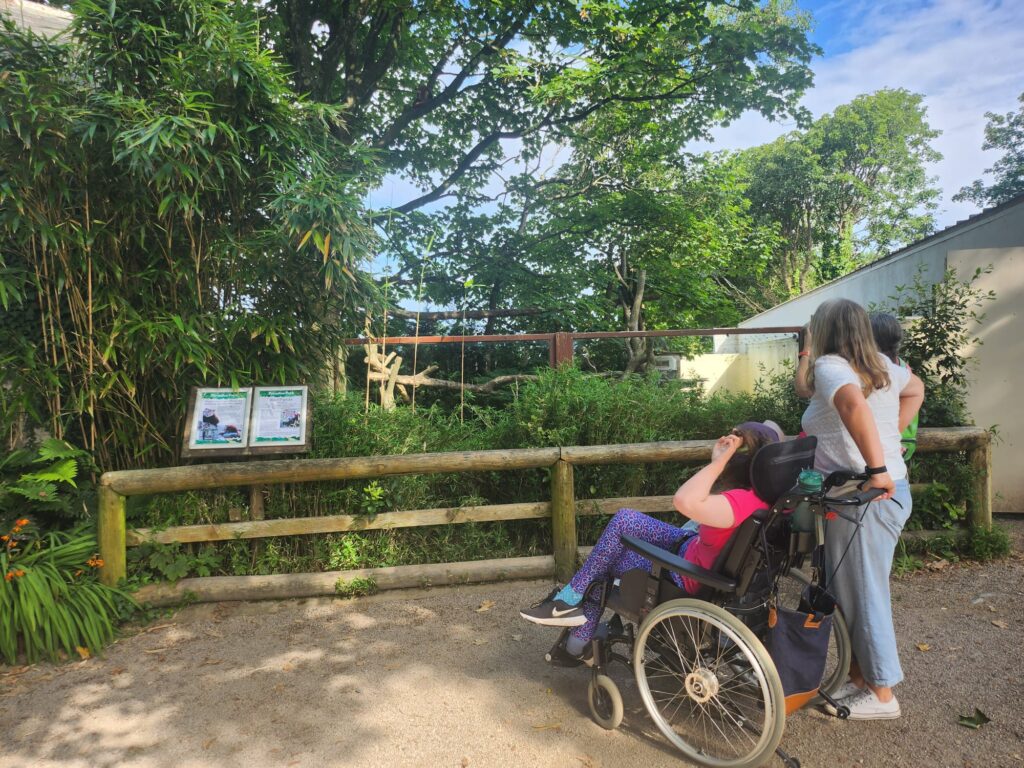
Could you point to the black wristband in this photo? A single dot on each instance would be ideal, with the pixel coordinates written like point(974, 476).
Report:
point(875, 470)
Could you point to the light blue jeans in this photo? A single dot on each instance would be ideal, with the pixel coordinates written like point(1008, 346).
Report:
point(861, 584)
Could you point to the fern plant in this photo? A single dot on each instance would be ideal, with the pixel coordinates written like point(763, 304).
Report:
point(44, 481)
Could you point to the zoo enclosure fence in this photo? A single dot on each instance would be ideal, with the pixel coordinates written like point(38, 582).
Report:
point(562, 510)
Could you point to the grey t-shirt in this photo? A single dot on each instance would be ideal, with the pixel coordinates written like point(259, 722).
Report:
point(836, 449)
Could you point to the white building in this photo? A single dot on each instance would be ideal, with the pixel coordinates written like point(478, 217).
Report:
point(993, 237)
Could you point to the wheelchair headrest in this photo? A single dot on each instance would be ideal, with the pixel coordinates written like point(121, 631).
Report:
point(776, 467)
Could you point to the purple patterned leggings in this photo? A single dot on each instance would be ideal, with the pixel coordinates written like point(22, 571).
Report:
point(611, 558)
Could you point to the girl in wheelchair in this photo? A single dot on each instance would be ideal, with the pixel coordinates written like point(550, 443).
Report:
point(713, 516)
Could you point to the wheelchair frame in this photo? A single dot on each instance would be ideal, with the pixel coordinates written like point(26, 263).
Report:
point(734, 602)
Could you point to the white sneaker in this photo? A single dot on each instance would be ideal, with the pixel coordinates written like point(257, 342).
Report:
point(866, 706)
point(844, 691)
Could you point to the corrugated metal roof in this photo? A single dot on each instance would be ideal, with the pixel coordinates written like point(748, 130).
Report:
point(42, 19)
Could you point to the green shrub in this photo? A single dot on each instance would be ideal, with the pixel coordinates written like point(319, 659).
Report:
point(44, 482)
point(153, 561)
point(935, 507)
point(940, 317)
point(50, 600)
point(987, 543)
point(942, 504)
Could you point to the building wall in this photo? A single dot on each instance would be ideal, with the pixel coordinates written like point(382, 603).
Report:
point(995, 238)
point(999, 365)
point(727, 371)
point(42, 19)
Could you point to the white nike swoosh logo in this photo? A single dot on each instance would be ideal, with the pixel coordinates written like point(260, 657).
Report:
point(555, 613)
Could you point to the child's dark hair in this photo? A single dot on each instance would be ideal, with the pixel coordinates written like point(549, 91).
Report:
point(888, 334)
point(737, 471)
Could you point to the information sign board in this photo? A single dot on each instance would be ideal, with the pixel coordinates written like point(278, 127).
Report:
point(279, 417)
point(218, 419)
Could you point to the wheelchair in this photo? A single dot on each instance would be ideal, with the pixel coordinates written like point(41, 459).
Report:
point(702, 669)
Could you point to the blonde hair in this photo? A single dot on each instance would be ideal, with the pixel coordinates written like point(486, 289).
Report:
point(841, 327)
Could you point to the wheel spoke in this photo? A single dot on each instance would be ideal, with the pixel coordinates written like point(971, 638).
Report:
point(705, 685)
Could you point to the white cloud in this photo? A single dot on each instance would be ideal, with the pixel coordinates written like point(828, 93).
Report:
point(965, 56)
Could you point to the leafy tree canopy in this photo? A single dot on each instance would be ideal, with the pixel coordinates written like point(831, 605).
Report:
point(1004, 133)
point(848, 189)
point(436, 86)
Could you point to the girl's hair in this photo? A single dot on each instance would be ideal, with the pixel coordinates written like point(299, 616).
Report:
point(888, 334)
point(737, 471)
point(841, 327)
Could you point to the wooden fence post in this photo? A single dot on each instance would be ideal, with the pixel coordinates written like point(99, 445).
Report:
point(563, 520)
point(979, 503)
point(561, 349)
point(111, 535)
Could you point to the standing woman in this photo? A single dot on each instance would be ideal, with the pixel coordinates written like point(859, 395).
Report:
point(860, 402)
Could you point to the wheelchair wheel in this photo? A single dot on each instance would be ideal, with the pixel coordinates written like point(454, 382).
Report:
point(709, 684)
point(605, 702)
point(837, 666)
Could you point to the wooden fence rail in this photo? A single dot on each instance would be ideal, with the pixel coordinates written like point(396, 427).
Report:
point(562, 510)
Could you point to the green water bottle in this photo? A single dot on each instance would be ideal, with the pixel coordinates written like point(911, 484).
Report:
point(802, 519)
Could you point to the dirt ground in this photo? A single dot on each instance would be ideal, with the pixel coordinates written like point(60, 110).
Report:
point(443, 678)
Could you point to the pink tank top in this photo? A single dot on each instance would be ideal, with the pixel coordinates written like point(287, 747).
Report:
point(705, 548)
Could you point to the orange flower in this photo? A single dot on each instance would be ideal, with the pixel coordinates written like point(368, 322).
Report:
point(21, 523)
point(95, 562)
point(5, 538)
point(19, 573)
point(9, 575)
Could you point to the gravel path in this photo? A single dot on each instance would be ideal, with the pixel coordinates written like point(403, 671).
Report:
point(445, 678)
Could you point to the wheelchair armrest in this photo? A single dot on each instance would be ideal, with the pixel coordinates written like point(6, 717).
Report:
point(676, 564)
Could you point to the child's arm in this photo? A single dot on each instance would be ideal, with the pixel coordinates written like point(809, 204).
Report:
point(911, 399)
point(803, 364)
point(694, 498)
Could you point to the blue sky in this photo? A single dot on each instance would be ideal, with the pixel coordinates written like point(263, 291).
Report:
point(965, 56)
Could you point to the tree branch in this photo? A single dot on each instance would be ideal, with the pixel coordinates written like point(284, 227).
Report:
point(423, 106)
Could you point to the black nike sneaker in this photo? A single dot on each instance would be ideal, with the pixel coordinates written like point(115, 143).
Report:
point(554, 613)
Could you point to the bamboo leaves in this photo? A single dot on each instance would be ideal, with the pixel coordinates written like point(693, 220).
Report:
point(155, 185)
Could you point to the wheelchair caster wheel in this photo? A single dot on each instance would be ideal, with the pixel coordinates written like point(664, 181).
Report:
point(842, 712)
point(792, 763)
point(605, 702)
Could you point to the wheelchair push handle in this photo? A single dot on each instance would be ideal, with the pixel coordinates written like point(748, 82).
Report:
point(798, 498)
point(859, 498)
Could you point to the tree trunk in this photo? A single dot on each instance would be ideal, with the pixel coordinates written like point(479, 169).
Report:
point(640, 350)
